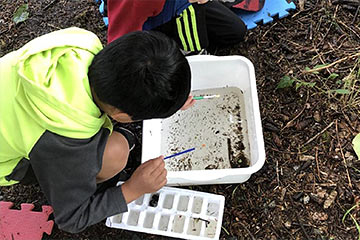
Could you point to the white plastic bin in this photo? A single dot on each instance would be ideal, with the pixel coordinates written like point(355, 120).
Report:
point(209, 72)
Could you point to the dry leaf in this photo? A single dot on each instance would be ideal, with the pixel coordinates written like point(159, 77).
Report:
point(330, 199)
point(306, 199)
point(277, 139)
point(303, 124)
point(306, 157)
point(317, 116)
point(319, 216)
point(287, 224)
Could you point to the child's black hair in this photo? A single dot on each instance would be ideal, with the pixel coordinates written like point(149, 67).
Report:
point(144, 74)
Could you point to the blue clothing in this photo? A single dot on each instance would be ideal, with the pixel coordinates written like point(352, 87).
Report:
point(171, 9)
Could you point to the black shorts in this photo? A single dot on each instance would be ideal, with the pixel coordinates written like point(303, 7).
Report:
point(202, 25)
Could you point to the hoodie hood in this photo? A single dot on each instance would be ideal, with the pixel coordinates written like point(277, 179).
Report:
point(53, 86)
point(44, 86)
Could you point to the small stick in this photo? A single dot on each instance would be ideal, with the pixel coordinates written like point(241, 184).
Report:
point(229, 149)
point(292, 120)
point(304, 224)
point(331, 64)
point(179, 153)
point(300, 223)
point(302, 227)
point(226, 231)
point(325, 184)
point(314, 184)
point(290, 234)
point(317, 162)
point(352, 30)
point(277, 173)
point(322, 131)
point(4, 31)
point(247, 230)
point(51, 25)
point(342, 154)
point(356, 14)
point(49, 5)
point(322, 60)
point(294, 153)
point(303, 167)
point(298, 115)
point(353, 130)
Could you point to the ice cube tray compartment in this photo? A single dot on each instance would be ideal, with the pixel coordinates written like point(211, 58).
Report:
point(183, 203)
point(174, 212)
point(168, 201)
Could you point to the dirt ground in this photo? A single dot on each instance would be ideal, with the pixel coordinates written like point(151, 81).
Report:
point(311, 177)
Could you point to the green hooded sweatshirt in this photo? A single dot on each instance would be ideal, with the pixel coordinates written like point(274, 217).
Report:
point(44, 86)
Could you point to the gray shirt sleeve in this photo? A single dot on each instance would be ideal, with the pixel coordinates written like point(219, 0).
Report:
point(66, 170)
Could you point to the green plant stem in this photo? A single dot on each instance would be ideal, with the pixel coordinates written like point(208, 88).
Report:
point(331, 64)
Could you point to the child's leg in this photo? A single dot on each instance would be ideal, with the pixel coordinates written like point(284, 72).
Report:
point(204, 26)
point(224, 27)
point(115, 157)
point(188, 29)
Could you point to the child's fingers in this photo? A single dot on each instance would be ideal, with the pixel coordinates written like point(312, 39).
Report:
point(160, 173)
point(151, 161)
point(189, 103)
point(163, 183)
point(158, 169)
point(188, 100)
point(192, 102)
point(154, 164)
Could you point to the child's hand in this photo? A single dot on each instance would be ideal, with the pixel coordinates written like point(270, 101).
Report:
point(147, 178)
point(189, 103)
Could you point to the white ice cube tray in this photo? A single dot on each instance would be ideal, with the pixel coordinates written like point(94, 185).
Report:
point(179, 213)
